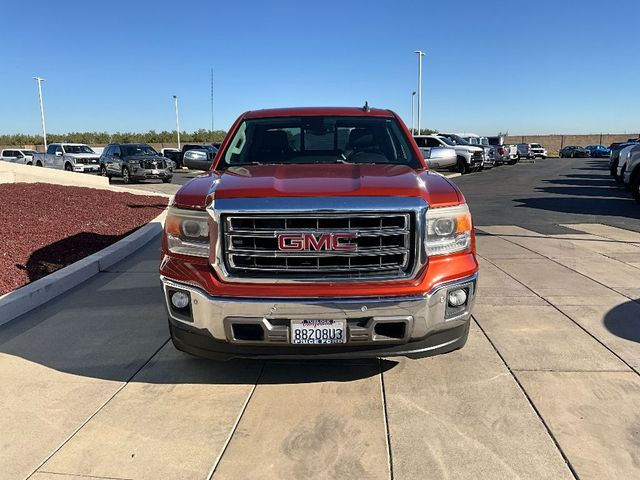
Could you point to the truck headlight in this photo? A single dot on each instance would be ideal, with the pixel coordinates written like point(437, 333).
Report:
point(187, 232)
point(448, 230)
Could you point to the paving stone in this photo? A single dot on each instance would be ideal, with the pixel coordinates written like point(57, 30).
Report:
point(313, 421)
point(542, 338)
point(171, 421)
point(463, 416)
point(548, 278)
point(617, 327)
point(595, 418)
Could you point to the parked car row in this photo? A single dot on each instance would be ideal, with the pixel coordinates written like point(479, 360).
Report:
point(624, 165)
point(467, 152)
point(593, 151)
point(73, 157)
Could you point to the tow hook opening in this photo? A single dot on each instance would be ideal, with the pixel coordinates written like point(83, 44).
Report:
point(390, 330)
point(248, 332)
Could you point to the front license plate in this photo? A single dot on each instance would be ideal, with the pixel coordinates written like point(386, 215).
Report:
point(318, 332)
point(155, 172)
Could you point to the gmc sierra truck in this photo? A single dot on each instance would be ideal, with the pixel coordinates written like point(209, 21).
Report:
point(318, 233)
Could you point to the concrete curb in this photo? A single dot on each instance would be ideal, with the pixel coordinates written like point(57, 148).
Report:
point(24, 299)
point(452, 175)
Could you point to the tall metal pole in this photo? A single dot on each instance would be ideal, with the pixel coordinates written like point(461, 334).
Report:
point(212, 99)
point(44, 129)
point(413, 117)
point(420, 55)
point(175, 101)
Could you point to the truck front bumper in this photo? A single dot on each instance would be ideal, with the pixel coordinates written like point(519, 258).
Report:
point(89, 167)
point(415, 326)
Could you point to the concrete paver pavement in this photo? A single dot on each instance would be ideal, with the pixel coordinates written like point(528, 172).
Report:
point(547, 386)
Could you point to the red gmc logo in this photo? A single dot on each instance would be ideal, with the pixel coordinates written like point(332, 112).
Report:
point(297, 242)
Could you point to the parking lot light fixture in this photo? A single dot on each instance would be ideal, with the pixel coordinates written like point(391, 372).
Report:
point(175, 102)
point(44, 128)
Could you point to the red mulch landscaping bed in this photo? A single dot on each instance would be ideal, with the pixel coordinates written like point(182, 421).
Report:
point(45, 227)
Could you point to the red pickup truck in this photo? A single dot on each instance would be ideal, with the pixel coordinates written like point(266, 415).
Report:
point(319, 232)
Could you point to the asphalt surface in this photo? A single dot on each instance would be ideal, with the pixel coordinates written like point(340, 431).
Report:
point(547, 387)
point(548, 193)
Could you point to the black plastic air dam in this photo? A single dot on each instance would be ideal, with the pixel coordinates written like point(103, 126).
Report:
point(200, 343)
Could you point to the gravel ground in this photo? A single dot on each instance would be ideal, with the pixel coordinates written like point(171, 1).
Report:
point(46, 227)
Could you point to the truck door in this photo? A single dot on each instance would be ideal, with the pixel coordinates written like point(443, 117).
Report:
point(115, 160)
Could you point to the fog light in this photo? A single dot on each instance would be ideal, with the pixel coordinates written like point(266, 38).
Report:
point(457, 298)
point(180, 299)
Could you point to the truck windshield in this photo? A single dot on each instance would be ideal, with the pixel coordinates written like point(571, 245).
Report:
point(77, 149)
point(455, 139)
point(325, 140)
point(132, 150)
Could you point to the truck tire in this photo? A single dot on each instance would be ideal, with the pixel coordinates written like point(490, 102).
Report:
point(68, 167)
point(166, 180)
point(613, 169)
point(620, 178)
point(103, 172)
point(635, 185)
point(462, 166)
point(39, 164)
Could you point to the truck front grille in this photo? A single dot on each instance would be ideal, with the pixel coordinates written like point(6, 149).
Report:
point(377, 244)
point(478, 156)
point(152, 164)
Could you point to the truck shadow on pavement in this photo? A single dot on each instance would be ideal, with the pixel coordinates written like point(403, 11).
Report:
point(624, 320)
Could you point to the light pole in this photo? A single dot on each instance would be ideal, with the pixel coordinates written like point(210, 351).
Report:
point(175, 101)
point(413, 117)
point(44, 129)
point(420, 55)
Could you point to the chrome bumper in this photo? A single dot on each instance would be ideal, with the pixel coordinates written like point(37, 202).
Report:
point(421, 316)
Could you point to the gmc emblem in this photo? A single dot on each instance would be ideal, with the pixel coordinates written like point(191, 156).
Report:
point(298, 242)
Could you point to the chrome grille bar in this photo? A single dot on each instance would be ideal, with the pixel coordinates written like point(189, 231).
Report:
point(384, 244)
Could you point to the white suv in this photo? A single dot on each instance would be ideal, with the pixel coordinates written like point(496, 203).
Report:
point(538, 150)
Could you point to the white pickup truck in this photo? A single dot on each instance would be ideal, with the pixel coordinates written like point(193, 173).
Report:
point(73, 157)
point(22, 156)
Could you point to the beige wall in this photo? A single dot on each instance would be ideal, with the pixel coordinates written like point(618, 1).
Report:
point(553, 143)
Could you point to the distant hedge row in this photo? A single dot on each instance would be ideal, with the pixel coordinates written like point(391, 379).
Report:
point(199, 136)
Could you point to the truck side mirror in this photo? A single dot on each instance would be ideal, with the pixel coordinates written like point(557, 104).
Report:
point(58, 153)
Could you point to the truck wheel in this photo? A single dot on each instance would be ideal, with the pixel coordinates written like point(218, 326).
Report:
point(39, 164)
point(461, 166)
point(166, 180)
point(635, 185)
point(68, 167)
point(126, 175)
point(620, 178)
point(613, 169)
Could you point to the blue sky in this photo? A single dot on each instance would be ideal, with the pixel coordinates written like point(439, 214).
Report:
point(519, 66)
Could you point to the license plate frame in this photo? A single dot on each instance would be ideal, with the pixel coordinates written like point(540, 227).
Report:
point(155, 172)
point(318, 332)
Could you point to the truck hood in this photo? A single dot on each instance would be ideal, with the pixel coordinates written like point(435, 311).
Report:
point(83, 155)
point(263, 181)
point(468, 148)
